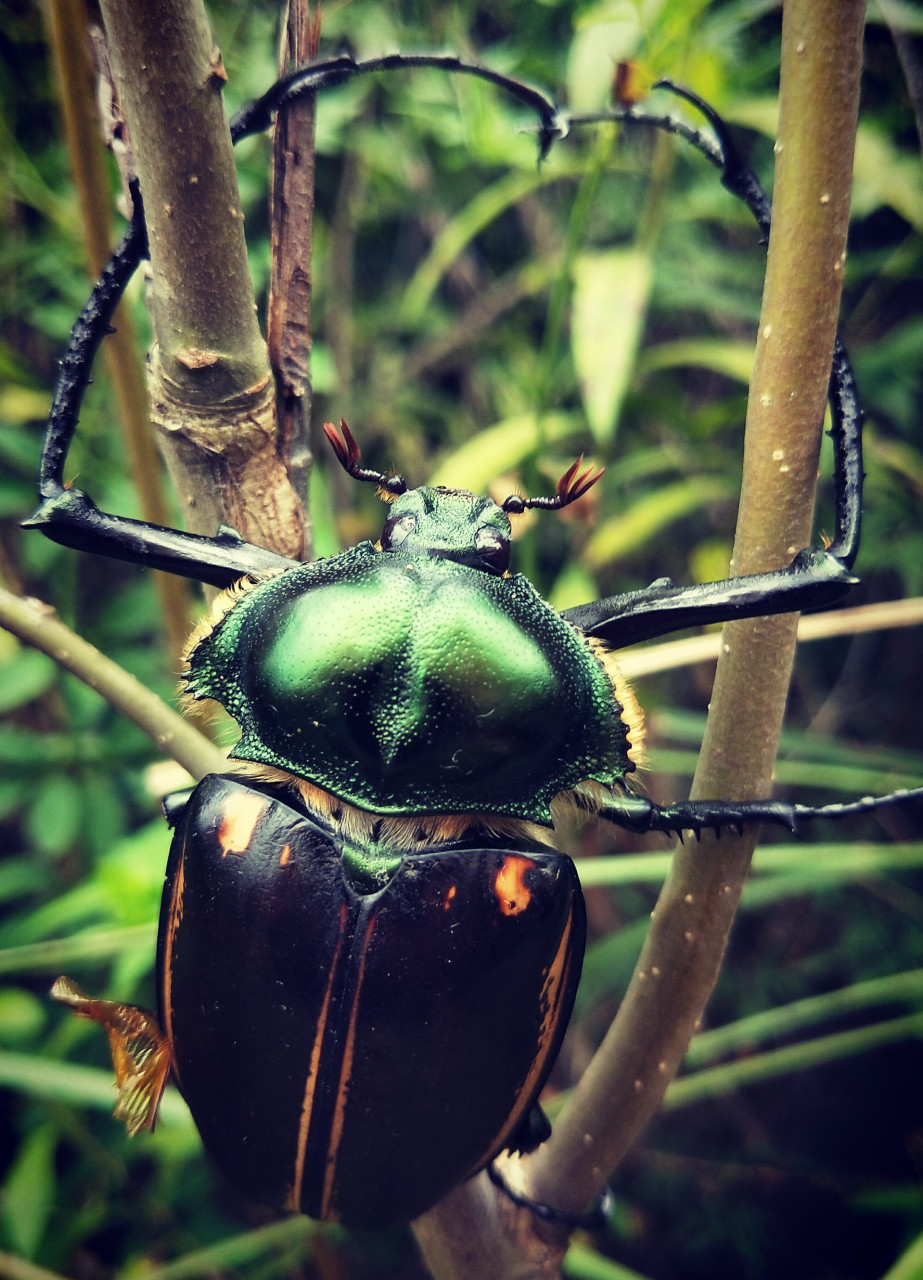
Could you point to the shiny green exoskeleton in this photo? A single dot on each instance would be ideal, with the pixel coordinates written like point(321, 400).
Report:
point(416, 676)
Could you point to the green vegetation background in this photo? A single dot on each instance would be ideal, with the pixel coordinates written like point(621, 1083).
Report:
point(461, 296)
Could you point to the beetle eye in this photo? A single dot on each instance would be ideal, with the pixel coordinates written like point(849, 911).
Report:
point(397, 530)
point(493, 549)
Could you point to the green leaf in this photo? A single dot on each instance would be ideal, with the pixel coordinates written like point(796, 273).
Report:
point(745, 1033)
point(902, 15)
point(503, 447)
point(53, 820)
point(605, 35)
point(486, 206)
point(23, 404)
point(22, 1015)
point(611, 295)
point(886, 176)
point(29, 1192)
point(583, 1263)
point(909, 1265)
point(733, 359)
point(572, 586)
point(27, 676)
point(66, 1082)
point(645, 519)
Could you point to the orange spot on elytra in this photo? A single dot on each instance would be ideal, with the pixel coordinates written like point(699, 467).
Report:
point(285, 856)
point(453, 890)
point(513, 894)
point(241, 817)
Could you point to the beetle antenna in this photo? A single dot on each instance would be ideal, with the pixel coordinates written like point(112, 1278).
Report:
point(349, 453)
point(570, 487)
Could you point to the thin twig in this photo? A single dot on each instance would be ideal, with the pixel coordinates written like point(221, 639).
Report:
point(37, 625)
point(881, 616)
point(74, 69)
point(291, 236)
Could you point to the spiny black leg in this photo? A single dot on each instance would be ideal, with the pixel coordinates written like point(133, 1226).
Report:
point(593, 1220)
point(736, 174)
point(534, 1129)
point(90, 327)
point(255, 117)
point(846, 433)
point(69, 516)
point(74, 520)
point(816, 578)
point(636, 813)
point(845, 411)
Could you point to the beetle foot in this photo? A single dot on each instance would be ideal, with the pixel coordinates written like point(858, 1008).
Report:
point(534, 1129)
point(141, 1053)
point(593, 1220)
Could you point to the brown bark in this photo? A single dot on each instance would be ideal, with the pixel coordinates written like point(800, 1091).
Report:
point(210, 383)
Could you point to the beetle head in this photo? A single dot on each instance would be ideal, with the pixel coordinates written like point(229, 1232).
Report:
point(452, 524)
point(449, 524)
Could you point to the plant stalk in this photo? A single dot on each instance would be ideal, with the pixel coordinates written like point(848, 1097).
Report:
point(292, 228)
point(679, 964)
point(211, 391)
point(37, 624)
point(67, 27)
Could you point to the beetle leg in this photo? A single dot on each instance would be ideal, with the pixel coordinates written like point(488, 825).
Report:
point(90, 327)
point(816, 578)
point(256, 116)
point(73, 519)
point(593, 1220)
point(534, 1129)
point(68, 516)
point(141, 1053)
point(636, 813)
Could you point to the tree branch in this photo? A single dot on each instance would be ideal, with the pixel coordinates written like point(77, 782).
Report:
point(210, 380)
point(37, 625)
point(288, 322)
point(67, 24)
point(819, 94)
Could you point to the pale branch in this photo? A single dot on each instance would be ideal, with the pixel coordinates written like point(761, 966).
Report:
point(74, 71)
point(821, 65)
point(211, 390)
point(37, 624)
point(288, 323)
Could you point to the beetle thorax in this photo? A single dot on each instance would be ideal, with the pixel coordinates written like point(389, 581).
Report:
point(407, 683)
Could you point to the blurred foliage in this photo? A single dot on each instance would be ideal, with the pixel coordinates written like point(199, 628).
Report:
point(482, 320)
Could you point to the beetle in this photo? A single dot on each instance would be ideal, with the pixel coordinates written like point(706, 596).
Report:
point(374, 888)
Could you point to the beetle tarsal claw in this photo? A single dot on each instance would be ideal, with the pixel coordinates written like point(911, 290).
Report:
point(594, 1219)
point(141, 1053)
